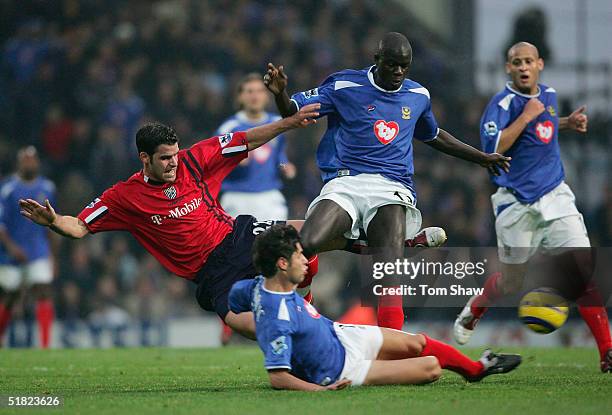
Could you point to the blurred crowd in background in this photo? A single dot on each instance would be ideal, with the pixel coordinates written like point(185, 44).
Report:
point(77, 78)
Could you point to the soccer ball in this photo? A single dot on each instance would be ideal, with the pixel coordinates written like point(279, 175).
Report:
point(543, 310)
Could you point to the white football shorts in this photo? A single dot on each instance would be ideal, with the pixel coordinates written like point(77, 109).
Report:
point(361, 196)
point(39, 271)
point(268, 205)
point(362, 344)
point(553, 221)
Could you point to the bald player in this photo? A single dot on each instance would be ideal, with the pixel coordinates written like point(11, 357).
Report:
point(533, 206)
point(365, 156)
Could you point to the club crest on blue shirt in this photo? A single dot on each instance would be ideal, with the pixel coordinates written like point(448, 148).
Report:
point(386, 131)
point(170, 192)
point(406, 113)
point(551, 111)
point(279, 345)
point(491, 128)
point(544, 131)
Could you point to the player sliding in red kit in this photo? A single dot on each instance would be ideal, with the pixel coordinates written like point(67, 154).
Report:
point(171, 208)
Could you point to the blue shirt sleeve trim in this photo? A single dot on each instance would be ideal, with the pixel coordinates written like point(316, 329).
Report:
point(433, 138)
point(497, 141)
point(277, 367)
point(296, 104)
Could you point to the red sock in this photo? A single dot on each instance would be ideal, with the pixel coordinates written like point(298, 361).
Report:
point(226, 333)
point(303, 288)
point(451, 358)
point(308, 297)
point(596, 317)
point(313, 268)
point(488, 296)
point(390, 312)
point(5, 318)
point(44, 316)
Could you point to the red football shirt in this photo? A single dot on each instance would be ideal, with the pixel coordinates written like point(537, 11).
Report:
point(179, 223)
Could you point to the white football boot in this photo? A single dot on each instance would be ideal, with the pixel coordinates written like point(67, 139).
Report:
point(465, 323)
point(428, 237)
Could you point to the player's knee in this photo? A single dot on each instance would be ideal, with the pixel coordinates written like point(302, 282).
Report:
point(433, 370)
point(415, 344)
point(42, 291)
point(312, 240)
point(10, 298)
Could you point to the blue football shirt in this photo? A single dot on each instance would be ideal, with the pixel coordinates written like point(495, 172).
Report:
point(290, 332)
point(536, 166)
point(261, 172)
point(30, 237)
point(369, 129)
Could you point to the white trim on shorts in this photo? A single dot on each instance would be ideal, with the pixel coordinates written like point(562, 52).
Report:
point(553, 221)
point(361, 196)
point(362, 345)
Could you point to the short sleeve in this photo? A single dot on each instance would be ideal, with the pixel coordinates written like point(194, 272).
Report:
point(274, 339)
point(426, 128)
point(322, 95)
point(492, 123)
point(240, 296)
point(104, 213)
point(218, 155)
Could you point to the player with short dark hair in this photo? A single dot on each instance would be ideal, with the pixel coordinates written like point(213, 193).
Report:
point(26, 256)
point(305, 351)
point(533, 206)
point(152, 135)
point(365, 156)
point(171, 208)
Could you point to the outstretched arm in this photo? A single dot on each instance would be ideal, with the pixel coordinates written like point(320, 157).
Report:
point(448, 144)
point(276, 81)
point(576, 121)
point(258, 136)
point(68, 226)
point(282, 379)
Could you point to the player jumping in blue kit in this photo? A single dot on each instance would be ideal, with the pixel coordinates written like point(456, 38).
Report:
point(365, 156)
point(303, 350)
point(533, 206)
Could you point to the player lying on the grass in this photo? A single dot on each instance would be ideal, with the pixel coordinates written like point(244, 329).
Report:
point(305, 351)
point(171, 208)
point(533, 205)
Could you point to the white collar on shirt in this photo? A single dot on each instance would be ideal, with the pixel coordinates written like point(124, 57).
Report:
point(371, 79)
point(509, 86)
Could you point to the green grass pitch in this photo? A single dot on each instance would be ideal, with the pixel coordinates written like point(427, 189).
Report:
point(233, 381)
